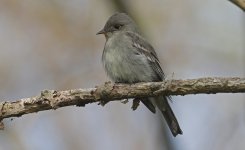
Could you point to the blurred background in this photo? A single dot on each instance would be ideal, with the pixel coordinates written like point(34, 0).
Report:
point(51, 44)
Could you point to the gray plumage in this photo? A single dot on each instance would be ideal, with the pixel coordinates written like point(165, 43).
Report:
point(129, 58)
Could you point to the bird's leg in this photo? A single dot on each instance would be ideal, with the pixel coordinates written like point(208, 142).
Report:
point(135, 104)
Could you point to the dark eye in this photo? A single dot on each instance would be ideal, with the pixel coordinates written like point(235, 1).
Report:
point(117, 26)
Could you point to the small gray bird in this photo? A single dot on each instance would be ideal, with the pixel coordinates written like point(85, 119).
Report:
point(129, 58)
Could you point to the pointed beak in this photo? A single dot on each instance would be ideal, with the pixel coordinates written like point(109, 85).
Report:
point(101, 32)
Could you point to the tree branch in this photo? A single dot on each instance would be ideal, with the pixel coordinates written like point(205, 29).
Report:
point(51, 99)
point(239, 3)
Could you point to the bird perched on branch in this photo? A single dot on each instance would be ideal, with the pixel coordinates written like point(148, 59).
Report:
point(129, 58)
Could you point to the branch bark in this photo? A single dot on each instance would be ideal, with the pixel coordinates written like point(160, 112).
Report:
point(51, 99)
point(239, 3)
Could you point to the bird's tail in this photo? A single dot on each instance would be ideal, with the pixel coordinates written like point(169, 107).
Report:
point(170, 118)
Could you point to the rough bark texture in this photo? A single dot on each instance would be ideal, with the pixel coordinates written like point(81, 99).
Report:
point(239, 3)
point(51, 99)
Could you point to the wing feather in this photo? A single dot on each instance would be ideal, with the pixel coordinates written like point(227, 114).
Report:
point(144, 48)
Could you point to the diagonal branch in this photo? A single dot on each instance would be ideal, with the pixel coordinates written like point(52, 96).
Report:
point(239, 3)
point(51, 99)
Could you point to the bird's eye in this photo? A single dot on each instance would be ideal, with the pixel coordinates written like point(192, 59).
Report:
point(117, 26)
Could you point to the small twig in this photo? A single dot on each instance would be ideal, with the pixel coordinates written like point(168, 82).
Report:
point(239, 3)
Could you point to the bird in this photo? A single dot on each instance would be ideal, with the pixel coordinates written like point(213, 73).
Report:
point(129, 58)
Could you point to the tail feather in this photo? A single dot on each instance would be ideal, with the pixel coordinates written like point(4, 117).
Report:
point(171, 119)
point(168, 114)
point(149, 105)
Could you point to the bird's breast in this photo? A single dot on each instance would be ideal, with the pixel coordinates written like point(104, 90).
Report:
point(123, 65)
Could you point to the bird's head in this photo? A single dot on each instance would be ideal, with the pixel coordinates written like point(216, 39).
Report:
point(119, 22)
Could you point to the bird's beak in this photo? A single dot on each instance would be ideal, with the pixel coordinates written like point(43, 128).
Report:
point(101, 32)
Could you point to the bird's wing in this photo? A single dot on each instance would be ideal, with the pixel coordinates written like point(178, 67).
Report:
point(144, 48)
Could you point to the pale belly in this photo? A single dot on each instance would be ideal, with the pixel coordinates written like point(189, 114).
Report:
point(127, 68)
